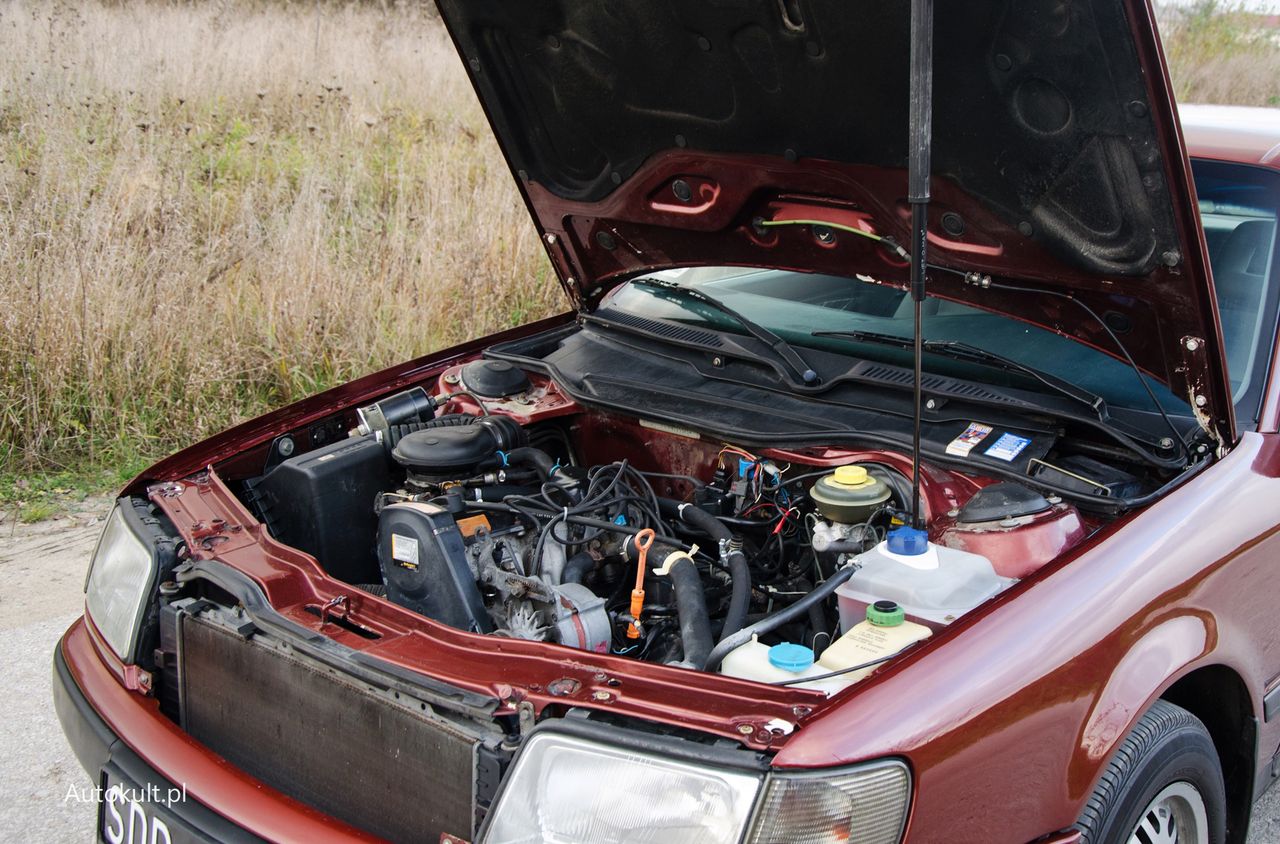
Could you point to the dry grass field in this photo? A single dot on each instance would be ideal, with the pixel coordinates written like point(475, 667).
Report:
point(211, 208)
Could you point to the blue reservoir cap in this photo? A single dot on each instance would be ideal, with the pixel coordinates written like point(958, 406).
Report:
point(908, 541)
point(790, 657)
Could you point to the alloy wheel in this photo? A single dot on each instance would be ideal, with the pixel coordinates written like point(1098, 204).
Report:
point(1177, 815)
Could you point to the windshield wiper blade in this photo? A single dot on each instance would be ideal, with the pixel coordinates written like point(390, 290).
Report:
point(784, 350)
point(959, 350)
point(868, 337)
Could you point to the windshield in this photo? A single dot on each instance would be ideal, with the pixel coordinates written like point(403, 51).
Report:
point(1238, 208)
point(798, 305)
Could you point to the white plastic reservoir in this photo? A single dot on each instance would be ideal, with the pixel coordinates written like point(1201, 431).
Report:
point(782, 663)
point(933, 585)
point(862, 649)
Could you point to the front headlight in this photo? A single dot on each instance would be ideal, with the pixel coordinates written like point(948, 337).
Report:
point(569, 789)
point(121, 578)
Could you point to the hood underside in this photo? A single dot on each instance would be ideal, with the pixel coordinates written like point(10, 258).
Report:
point(659, 134)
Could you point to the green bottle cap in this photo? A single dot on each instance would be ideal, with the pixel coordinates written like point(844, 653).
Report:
point(885, 614)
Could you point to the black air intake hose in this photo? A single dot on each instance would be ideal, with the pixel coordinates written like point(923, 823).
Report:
point(739, 570)
point(396, 432)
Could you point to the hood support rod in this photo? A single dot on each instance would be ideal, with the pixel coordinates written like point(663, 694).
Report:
point(921, 140)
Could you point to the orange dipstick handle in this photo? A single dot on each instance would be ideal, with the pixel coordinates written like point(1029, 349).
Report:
point(643, 542)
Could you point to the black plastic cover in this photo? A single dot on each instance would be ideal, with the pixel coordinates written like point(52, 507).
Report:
point(494, 379)
point(449, 453)
point(321, 502)
point(1004, 500)
point(424, 565)
point(1088, 476)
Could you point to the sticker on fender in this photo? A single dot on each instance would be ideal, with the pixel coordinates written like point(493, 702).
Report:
point(1007, 447)
point(963, 444)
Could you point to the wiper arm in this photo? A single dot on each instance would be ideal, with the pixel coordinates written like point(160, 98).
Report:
point(959, 350)
point(784, 350)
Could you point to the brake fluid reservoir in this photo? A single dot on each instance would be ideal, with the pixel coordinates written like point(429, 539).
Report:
point(933, 585)
point(883, 633)
point(849, 495)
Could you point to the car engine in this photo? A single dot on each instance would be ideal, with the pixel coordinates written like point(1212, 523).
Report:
point(676, 551)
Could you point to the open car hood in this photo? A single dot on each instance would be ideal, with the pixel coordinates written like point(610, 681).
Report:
point(647, 135)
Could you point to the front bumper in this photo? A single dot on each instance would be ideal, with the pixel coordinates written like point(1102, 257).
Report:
point(111, 728)
point(108, 726)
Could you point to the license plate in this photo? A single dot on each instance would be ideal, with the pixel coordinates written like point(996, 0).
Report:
point(137, 814)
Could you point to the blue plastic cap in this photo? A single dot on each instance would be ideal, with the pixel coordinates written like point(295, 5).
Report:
point(790, 657)
point(908, 541)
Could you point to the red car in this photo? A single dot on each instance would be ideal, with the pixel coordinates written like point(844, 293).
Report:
point(654, 570)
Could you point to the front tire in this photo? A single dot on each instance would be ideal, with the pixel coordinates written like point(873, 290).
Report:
point(1163, 785)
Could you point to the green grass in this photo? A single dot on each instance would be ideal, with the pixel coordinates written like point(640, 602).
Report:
point(38, 495)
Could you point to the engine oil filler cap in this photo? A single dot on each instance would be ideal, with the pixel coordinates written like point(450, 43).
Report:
point(790, 657)
point(885, 614)
point(849, 495)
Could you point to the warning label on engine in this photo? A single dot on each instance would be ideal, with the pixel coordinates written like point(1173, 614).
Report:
point(404, 550)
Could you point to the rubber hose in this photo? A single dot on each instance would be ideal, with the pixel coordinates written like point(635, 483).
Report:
point(691, 608)
point(739, 569)
point(577, 567)
point(535, 458)
point(781, 617)
point(497, 492)
point(817, 619)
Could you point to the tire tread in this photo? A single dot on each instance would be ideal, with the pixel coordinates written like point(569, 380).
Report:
point(1162, 718)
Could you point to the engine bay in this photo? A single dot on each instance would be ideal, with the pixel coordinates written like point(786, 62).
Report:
point(495, 504)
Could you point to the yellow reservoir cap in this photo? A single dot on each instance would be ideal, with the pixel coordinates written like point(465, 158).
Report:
point(852, 476)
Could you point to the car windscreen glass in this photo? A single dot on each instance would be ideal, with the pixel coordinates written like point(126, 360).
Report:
point(798, 305)
point(1239, 206)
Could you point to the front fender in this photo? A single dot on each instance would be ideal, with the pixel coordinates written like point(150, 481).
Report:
point(1170, 649)
point(1009, 716)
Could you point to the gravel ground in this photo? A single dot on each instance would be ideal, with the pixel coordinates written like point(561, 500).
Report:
point(42, 570)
